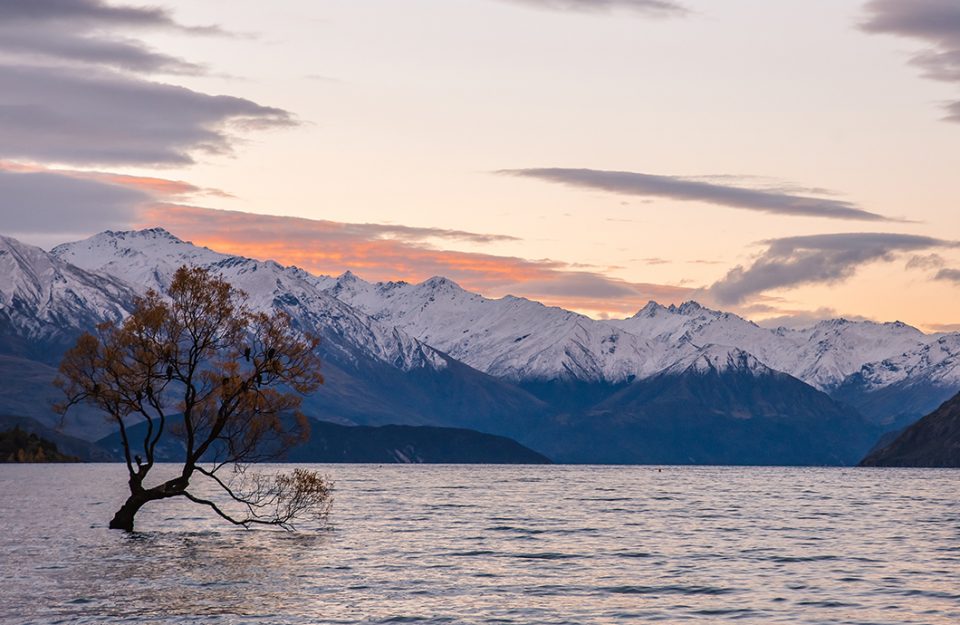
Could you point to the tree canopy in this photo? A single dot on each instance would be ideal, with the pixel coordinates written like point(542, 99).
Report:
point(199, 365)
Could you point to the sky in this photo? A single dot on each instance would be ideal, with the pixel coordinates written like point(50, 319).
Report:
point(787, 161)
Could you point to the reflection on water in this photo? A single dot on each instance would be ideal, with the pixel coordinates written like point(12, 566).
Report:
point(448, 544)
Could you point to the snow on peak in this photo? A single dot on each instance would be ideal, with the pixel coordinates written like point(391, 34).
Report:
point(719, 359)
point(148, 259)
point(936, 362)
point(520, 339)
point(688, 308)
point(42, 296)
point(439, 282)
point(146, 233)
point(510, 337)
point(823, 355)
point(650, 309)
point(145, 258)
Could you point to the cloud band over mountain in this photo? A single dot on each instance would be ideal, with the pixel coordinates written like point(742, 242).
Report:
point(385, 252)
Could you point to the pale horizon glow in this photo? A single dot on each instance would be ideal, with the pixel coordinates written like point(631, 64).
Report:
point(729, 128)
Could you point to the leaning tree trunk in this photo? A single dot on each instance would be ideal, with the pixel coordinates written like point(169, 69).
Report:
point(123, 519)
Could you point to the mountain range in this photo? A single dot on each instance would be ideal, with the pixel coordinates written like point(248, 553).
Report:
point(679, 383)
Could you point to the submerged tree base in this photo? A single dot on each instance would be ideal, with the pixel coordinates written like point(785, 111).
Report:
point(123, 519)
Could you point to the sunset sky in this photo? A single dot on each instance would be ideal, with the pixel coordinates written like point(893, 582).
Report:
point(787, 161)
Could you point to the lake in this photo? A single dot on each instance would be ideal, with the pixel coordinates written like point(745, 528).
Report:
point(498, 544)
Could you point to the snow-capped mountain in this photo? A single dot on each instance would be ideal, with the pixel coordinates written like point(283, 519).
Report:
point(511, 338)
point(898, 390)
point(375, 373)
point(147, 259)
point(937, 361)
point(822, 356)
point(521, 340)
point(45, 299)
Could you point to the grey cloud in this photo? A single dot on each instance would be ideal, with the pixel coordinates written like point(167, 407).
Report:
point(73, 32)
point(677, 188)
point(123, 54)
point(934, 22)
point(59, 115)
point(937, 20)
point(953, 112)
point(950, 275)
point(825, 258)
point(70, 91)
point(943, 66)
point(925, 261)
point(657, 8)
point(89, 13)
point(43, 202)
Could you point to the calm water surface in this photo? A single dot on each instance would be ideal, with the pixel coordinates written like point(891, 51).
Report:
point(454, 544)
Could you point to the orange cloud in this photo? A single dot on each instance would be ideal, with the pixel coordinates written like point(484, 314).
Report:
point(386, 252)
point(375, 251)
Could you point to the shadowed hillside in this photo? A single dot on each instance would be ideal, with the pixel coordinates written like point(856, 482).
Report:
point(933, 441)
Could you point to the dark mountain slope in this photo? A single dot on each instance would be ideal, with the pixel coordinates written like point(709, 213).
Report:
point(896, 406)
point(370, 392)
point(409, 444)
point(27, 390)
point(330, 442)
point(933, 441)
point(67, 445)
point(722, 407)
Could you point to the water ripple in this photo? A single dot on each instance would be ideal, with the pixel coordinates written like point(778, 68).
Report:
point(498, 545)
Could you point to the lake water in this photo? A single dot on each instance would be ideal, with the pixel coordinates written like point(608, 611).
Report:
point(459, 544)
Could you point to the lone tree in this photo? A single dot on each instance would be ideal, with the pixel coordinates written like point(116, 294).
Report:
point(227, 381)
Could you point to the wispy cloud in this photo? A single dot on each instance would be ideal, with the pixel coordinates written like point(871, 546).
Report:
point(392, 252)
point(773, 201)
point(944, 327)
point(934, 22)
point(950, 275)
point(654, 8)
point(925, 261)
point(825, 258)
point(88, 13)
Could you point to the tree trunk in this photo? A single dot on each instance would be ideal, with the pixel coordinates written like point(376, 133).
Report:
point(123, 519)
